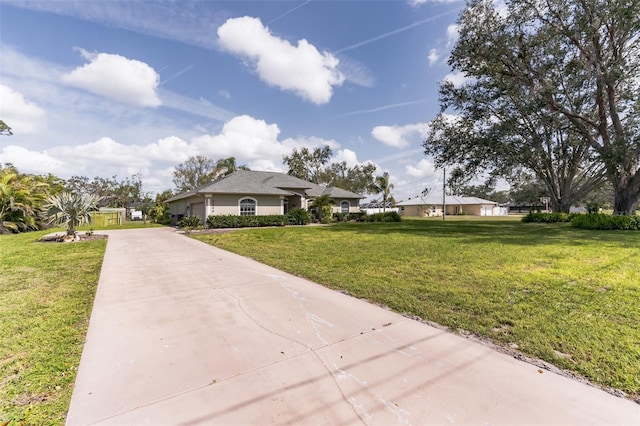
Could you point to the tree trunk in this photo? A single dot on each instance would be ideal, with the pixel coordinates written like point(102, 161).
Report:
point(626, 199)
point(560, 205)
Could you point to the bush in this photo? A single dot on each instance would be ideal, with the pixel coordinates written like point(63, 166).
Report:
point(383, 217)
point(555, 217)
point(299, 216)
point(601, 221)
point(233, 221)
point(190, 222)
point(349, 217)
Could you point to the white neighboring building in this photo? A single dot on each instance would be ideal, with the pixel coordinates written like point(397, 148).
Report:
point(431, 205)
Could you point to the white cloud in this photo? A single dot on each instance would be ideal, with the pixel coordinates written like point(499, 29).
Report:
point(434, 56)
point(254, 142)
point(171, 148)
point(28, 161)
point(116, 77)
point(301, 69)
point(346, 155)
point(18, 113)
point(452, 34)
point(397, 135)
point(423, 169)
point(457, 78)
point(104, 151)
point(244, 137)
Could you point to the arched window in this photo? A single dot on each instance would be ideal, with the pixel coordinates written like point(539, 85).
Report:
point(345, 206)
point(248, 207)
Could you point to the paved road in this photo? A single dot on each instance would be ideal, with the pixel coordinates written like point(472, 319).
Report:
point(186, 334)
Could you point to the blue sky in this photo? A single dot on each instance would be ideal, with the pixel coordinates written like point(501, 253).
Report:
point(107, 88)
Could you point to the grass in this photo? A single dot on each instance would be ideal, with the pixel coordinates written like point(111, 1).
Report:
point(46, 296)
point(567, 296)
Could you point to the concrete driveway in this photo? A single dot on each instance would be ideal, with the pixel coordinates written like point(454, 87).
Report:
point(186, 334)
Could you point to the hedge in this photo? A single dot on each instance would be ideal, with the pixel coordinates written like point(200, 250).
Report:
point(382, 217)
point(234, 221)
point(191, 222)
point(349, 217)
point(601, 221)
point(555, 217)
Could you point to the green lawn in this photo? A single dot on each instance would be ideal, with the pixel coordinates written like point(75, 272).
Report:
point(46, 295)
point(567, 296)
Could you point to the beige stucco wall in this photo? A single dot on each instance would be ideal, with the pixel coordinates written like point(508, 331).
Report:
point(452, 209)
point(354, 205)
point(421, 210)
point(229, 204)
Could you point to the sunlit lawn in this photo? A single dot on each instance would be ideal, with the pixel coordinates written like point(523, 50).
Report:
point(46, 296)
point(566, 296)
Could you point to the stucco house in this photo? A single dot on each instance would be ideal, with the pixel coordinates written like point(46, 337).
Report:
point(431, 205)
point(245, 192)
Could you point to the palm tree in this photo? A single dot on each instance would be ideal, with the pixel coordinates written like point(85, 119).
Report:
point(385, 187)
point(21, 199)
point(71, 210)
point(323, 203)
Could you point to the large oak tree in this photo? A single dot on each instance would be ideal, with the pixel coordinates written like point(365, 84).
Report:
point(553, 88)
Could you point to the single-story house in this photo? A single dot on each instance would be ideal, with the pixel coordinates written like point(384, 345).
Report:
point(431, 205)
point(245, 192)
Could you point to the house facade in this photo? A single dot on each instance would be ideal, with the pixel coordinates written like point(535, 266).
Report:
point(453, 205)
point(245, 192)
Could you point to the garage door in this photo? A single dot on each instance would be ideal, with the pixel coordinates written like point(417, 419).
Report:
point(197, 209)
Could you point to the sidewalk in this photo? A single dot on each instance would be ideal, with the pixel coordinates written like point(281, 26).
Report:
point(186, 334)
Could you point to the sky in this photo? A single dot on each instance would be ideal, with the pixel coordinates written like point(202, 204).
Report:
point(104, 88)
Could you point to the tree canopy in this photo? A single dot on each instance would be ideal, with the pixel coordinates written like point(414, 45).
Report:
point(551, 88)
point(314, 166)
point(111, 192)
point(5, 129)
point(199, 170)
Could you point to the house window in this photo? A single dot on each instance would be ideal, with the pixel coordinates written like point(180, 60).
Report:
point(345, 206)
point(248, 207)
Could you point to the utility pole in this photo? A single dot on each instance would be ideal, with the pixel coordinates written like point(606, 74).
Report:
point(444, 186)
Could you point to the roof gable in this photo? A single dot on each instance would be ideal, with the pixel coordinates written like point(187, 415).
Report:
point(264, 183)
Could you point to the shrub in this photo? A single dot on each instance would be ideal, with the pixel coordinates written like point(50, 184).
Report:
point(555, 217)
point(190, 222)
point(601, 221)
point(233, 221)
point(299, 216)
point(593, 208)
point(383, 217)
point(349, 217)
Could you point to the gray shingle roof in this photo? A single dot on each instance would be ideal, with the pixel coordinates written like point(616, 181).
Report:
point(264, 183)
